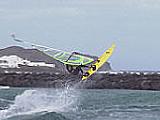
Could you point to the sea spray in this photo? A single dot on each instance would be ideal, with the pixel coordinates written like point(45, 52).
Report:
point(41, 101)
point(5, 100)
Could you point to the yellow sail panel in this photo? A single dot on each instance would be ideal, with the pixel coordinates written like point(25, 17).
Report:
point(99, 62)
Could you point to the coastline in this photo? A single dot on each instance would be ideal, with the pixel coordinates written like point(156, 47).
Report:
point(102, 80)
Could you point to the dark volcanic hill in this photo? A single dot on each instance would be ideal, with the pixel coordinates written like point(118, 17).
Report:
point(35, 55)
point(29, 54)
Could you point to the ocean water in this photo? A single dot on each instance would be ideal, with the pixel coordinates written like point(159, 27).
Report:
point(78, 104)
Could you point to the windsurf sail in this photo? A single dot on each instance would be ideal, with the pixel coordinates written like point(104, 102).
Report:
point(100, 61)
point(60, 55)
point(63, 56)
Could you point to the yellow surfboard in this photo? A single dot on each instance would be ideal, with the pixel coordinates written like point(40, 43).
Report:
point(99, 62)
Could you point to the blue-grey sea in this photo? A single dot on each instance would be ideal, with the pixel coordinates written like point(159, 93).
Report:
point(78, 104)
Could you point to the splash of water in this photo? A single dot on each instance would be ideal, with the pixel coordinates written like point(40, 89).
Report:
point(42, 100)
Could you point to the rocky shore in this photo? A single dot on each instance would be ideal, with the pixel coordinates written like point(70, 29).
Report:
point(108, 80)
point(58, 77)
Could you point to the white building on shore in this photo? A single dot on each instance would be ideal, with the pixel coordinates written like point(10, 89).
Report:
point(13, 61)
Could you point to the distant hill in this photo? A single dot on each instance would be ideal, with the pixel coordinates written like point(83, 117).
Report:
point(35, 55)
point(29, 54)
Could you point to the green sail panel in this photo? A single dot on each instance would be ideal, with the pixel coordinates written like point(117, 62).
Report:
point(62, 56)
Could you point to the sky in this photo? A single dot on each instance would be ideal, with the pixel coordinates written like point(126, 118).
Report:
point(88, 26)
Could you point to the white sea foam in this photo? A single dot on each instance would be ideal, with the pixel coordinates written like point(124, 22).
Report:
point(41, 100)
point(4, 87)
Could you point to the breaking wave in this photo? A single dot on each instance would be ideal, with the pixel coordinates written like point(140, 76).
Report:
point(42, 101)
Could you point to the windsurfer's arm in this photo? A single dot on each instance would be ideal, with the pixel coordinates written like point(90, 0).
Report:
point(73, 53)
point(85, 66)
point(81, 70)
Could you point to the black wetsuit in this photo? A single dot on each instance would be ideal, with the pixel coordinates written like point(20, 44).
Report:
point(77, 70)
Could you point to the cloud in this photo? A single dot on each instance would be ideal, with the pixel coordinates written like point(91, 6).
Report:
point(70, 8)
point(119, 3)
point(40, 12)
